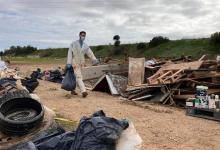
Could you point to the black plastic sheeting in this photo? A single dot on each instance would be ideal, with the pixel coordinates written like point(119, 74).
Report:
point(97, 132)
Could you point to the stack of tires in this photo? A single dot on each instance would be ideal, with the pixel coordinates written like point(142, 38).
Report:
point(19, 113)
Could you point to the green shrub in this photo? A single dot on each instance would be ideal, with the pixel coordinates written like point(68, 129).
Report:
point(100, 47)
point(20, 50)
point(215, 38)
point(158, 40)
point(141, 46)
point(116, 38)
point(117, 43)
point(45, 53)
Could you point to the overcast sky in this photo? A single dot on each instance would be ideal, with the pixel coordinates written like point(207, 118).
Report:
point(55, 23)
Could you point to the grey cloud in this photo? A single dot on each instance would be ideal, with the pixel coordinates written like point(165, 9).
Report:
point(48, 21)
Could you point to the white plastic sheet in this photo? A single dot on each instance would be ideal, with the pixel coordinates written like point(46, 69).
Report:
point(2, 65)
point(129, 139)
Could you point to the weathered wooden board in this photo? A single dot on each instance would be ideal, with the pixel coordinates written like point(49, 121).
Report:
point(136, 71)
point(93, 72)
point(182, 66)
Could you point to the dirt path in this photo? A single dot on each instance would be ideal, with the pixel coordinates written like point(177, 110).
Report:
point(159, 130)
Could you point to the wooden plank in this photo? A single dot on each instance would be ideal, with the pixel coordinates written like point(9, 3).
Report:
point(136, 71)
point(153, 77)
point(111, 86)
point(165, 74)
point(143, 86)
point(203, 56)
point(93, 72)
point(159, 76)
point(142, 93)
point(184, 97)
point(185, 65)
point(142, 97)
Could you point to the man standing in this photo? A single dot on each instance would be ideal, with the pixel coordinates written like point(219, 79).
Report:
point(76, 58)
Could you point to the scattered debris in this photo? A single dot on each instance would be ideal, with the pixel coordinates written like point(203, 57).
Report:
point(113, 84)
point(95, 132)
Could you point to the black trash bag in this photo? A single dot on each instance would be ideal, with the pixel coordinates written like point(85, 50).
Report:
point(30, 83)
point(42, 138)
point(55, 76)
point(37, 74)
point(97, 132)
point(69, 81)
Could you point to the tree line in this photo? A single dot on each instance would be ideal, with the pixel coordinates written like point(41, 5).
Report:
point(19, 50)
point(155, 41)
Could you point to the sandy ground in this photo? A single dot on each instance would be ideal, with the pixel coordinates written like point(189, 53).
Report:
point(160, 130)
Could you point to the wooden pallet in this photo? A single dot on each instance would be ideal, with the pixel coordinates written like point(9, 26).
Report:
point(210, 114)
point(166, 77)
point(7, 87)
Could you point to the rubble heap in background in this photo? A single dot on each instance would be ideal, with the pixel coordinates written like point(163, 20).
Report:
point(168, 82)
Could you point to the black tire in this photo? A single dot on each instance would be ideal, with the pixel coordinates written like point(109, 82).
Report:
point(13, 95)
point(11, 120)
point(21, 114)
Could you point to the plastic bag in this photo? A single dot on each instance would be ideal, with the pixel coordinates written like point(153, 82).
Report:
point(30, 83)
point(129, 139)
point(69, 81)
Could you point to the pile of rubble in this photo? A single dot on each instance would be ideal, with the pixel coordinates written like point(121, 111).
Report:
point(168, 82)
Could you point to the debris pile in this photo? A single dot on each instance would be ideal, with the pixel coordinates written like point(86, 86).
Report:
point(54, 75)
point(21, 112)
point(95, 132)
point(173, 82)
point(168, 82)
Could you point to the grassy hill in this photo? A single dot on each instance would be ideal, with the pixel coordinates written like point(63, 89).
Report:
point(193, 47)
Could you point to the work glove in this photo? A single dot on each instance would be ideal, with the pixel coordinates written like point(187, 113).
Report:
point(95, 62)
point(68, 66)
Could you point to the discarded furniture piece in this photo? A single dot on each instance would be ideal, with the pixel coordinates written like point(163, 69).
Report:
point(136, 71)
